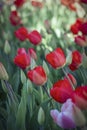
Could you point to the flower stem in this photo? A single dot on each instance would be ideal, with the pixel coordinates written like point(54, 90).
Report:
point(46, 91)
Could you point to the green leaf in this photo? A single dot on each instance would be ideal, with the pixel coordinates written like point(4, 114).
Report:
point(21, 113)
point(45, 67)
point(23, 77)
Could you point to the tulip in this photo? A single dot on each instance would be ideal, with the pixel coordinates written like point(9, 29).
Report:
point(83, 28)
point(76, 60)
point(81, 40)
point(61, 91)
point(22, 59)
point(37, 75)
point(72, 78)
point(21, 33)
point(14, 18)
point(19, 3)
point(56, 58)
point(35, 37)
point(76, 26)
point(79, 97)
point(69, 117)
point(37, 3)
point(32, 53)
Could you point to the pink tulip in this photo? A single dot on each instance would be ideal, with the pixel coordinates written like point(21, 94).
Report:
point(69, 117)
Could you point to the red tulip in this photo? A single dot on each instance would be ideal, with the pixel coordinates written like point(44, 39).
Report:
point(37, 75)
point(14, 18)
point(81, 40)
point(32, 53)
point(21, 33)
point(72, 78)
point(76, 60)
point(79, 97)
point(76, 26)
point(83, 28)
point(22, 59)
point(61, 91)
point(56, 58)
point(19, 3)
point(37, 3)
point(35, 37)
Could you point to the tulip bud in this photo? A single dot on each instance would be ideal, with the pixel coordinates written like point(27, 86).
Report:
point(3, 73)
point(41, 116)
point(7, 48)
point(29, 87)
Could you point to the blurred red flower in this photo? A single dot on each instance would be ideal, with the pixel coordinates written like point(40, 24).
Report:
point(76, 26)
point(22, 59)
point(37, 3)
point(56, 58)
point(81, 40)
point(19, 3)
point(37, 75)
point(72, 78)
point(32, 53)
point(61, 91)
point(35, 37)
point(14, 18)
point(21, 33)
point(79, 97)
point(76, 60)
point(83, 28)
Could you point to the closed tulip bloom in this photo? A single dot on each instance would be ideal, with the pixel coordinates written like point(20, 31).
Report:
point(22, 59)
point(72, 78)
point(69, 117)
point(21, 33)
point(14, 18)
point(19, 3)
point(81, 40)
point(79, 97)
point(61, 91)
point(56, 58)
point(37, 75)
point(76, 60)
point(32, 53)
point(35, 37)
point(76, 26)
point(37, 3)
point(83, 28)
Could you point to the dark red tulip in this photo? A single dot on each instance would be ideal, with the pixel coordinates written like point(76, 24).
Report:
point(19, 3)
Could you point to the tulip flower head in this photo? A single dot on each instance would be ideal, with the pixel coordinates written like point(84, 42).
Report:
point(21, 33)
point(37, 75)
point(22, 59)
point(19, 3)
point(35, 37)
point(32, 53)
point(76, 60)
point(79, 97)
point(61, 91)
point(14, 18)
point(81, 40)
point(56, 58)
point(69, 117)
